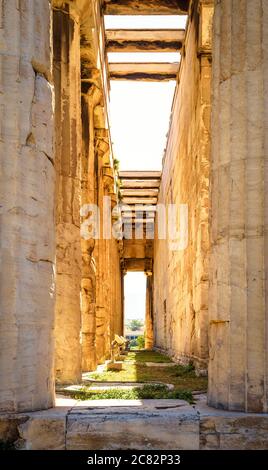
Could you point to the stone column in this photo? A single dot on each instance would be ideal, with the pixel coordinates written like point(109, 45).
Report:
point(68, 166)
point(88, 283)
point(149, 331)
point(239, 261)
point(88, 300)
point(101, 320)
point(102, 325)
point(122, 304)
point(26, 207)
point(102, 250)
point(110, 272)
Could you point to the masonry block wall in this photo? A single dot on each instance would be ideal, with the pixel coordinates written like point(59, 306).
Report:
point(181, 277)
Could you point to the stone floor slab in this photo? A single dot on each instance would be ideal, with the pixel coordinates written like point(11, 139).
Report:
point(143, 430)
point(134, 424)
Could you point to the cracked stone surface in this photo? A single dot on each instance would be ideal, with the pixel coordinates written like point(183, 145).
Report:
point(135, 424)
point(238, 311)
point(27, 207)
point(181, 274)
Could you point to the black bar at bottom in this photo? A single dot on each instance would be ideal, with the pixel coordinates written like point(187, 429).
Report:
point(132, 458)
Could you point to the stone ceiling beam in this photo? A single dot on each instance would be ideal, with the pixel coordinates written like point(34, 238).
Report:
point(135, 184)
point(129, 215)
point(139, 200)
point(129, 221)
point(145, 7)
point(150, 40)
point(139, 192)
point(135, 265)
point(141, 175)
point(144, 71)
point(140, 208)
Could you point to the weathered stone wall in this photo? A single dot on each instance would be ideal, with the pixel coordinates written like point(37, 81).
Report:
point(66, 35)
point(181, 277)
point(26, 206)
point(238, 267)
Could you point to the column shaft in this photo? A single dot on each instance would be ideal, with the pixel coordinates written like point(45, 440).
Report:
point(68, 166)
point(238, 268)
point(26, 207)
point(88, 290)
point(149, 331)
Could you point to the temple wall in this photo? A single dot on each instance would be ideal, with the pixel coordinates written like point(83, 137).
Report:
point(181, 275)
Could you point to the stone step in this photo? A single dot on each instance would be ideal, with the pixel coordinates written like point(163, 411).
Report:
point(134, 424)
point(99, 386)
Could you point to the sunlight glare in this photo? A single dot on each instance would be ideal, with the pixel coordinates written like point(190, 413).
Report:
point(143, 57)
point(145, 21)
point(140, 114)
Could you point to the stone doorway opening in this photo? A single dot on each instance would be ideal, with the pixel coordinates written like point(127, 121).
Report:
point(135, 309)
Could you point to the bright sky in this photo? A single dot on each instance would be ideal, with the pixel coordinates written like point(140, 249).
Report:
point(140, 114)
point(143, 57)
point(135, 289)
point(145, 21)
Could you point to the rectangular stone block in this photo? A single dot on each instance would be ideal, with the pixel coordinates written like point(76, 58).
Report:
point(9, 429)
point(138, 430)
point(236, 433)
point(43, 432)
point(114, 366)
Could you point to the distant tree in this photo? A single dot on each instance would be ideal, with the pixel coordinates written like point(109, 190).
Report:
point(133, 343)
point(141, 342)
point(135, 325)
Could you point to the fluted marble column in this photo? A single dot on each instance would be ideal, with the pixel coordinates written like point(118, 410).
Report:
point(68, 141)
point(26, 206)
point(88, 283)
point(239, 260)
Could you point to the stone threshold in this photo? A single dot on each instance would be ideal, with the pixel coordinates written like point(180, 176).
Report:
point(102, 386)
point(133, 424)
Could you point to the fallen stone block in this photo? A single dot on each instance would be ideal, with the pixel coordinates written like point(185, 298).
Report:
point(114, 366)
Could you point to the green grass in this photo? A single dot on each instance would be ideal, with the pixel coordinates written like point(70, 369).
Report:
point(182, 371)
point(147, 356)
point(127, 374)
point(182, 377)
point(146, 392)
